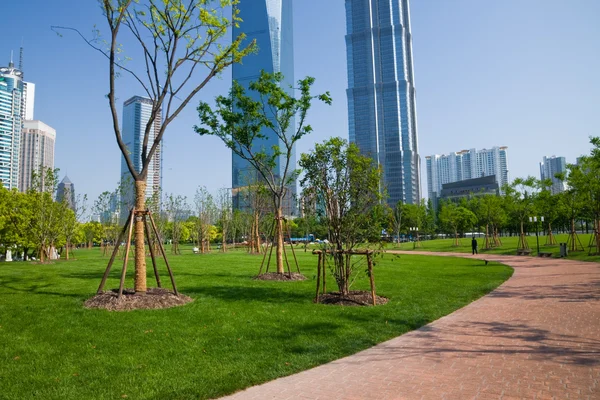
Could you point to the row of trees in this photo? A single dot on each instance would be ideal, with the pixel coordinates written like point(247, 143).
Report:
point(33, 222)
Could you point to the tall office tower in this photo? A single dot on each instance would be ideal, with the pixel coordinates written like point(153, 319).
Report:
point(381, 92)
point(549, 167)
point(466, 164)
point(269, 22)
point(28, 101)
point(66, 191)
point(136, 114)
point(37, 151)
point(11, 124)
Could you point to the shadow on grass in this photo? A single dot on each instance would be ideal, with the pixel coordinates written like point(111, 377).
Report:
point(234, 293)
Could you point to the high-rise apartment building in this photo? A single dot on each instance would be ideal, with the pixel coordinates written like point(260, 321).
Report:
point(269, 22)
point(66, 191)
point(37, 151)
point(136, 115)
point(465, 164)
point(381, 92)
point(549, 167)
point(11, 124)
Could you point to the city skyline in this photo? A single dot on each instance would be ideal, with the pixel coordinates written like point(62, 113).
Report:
point(461, 51)
point(382, 115)
point(465, 165)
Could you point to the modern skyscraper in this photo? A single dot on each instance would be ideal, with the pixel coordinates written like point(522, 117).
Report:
point(549, 167)
point(11, 124)
point(466, 164)
point(28, 101)
point(37, 151)
point(66, 191)
point(136, 114)
point(269, 22)
point(381, 92)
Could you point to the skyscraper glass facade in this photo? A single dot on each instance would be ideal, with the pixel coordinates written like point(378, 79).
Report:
point(136, 114)
point(11, 124)
point(269, 22)
point(381, 92)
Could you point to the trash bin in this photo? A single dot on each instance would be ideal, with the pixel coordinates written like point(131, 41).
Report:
point(563, 249)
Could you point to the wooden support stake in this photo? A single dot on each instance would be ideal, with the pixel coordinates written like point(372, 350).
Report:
point(370, 264)
point(323, 269)
point(114, 254)
point(292, 247)
point(162, 250)
point(318, 278)
point(265, 255)
point(127, 245)
point(151, 247)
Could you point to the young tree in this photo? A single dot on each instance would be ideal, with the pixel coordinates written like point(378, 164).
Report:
point(456, 218)
point(347, 184)
point(245, 125)
point(491, 212)
point(396, 219)
point(177, 39)
point(519, 196)
point(175, 207)
point(205, 212)
point(224, 215)
point(44, 220)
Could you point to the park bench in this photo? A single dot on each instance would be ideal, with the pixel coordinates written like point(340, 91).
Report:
point(523, 252)
point(544, 254)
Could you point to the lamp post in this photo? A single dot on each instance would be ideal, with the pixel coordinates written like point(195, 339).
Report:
point(537, 238)
point(416, 243)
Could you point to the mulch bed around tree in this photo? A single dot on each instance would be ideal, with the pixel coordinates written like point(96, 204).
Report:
point(155, 298)
point(354, 298)
point(274, 276)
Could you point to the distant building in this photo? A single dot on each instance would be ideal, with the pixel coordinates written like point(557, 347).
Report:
point(66, 192)
point(382, 113)
point(136, 114)
point(28, 101)
point(11, 124)
point(37, 151)
point(487, 185)
point(464, 165)
point(549, 167)
point(270, 23)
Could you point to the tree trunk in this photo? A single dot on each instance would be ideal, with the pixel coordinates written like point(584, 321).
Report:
point(140, 251)
point(67, 245)
point(256, 234)
point(279, 238)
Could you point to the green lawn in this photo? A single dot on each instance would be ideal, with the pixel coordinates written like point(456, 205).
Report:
point(509, 246)
point(238, 332)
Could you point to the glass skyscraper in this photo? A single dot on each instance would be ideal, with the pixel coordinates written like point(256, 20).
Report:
point(269, 22)
point(381, 92)
point(136, 114)
point(11, 124)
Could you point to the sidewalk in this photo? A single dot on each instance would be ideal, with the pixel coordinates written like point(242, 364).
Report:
point(537, 336)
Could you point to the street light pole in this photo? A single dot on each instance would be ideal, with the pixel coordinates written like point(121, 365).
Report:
point(537, 229)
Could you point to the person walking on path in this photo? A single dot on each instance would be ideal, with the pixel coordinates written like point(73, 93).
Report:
point(474, 245)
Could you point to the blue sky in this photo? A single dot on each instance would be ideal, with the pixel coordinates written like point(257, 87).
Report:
point(519, 73)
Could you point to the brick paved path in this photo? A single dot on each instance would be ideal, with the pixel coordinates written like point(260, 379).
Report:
point(537, 336)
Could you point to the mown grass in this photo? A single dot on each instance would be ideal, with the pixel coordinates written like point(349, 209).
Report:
point(238, 332)
point(509, 246)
